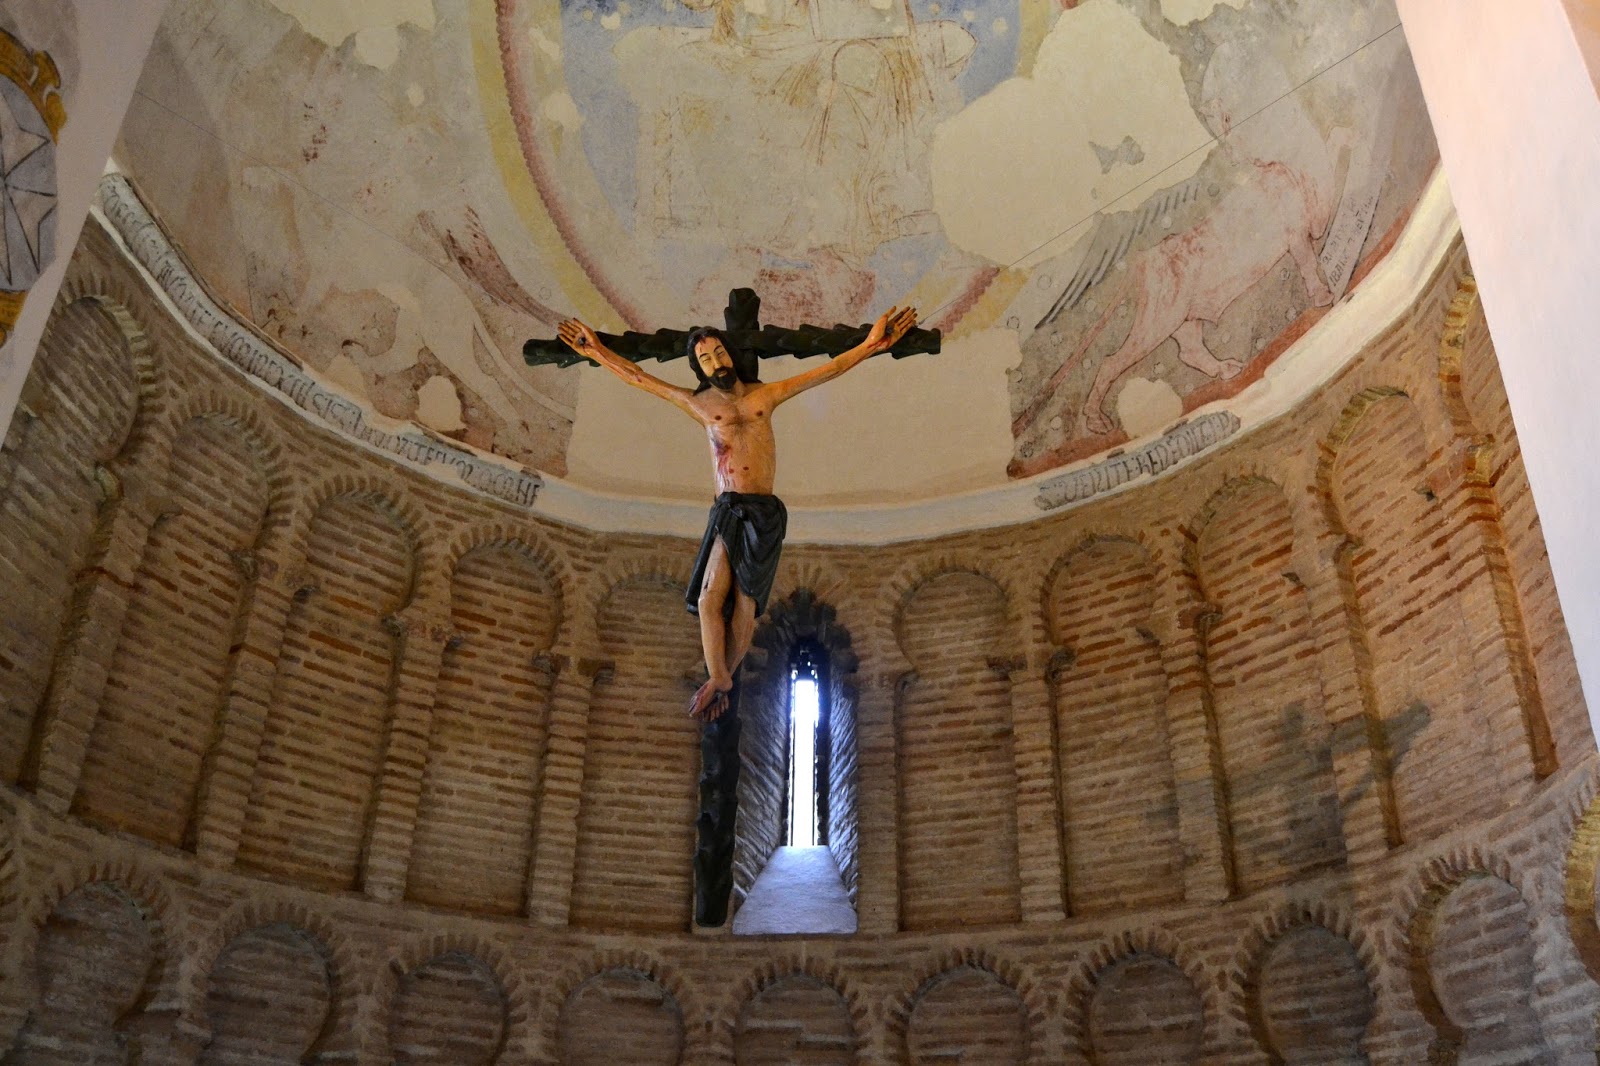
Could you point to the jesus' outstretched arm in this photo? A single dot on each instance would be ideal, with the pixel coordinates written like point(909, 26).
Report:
point(583, 340)
point(890, 327)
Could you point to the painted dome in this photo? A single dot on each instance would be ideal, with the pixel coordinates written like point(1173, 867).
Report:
point(1121, 213)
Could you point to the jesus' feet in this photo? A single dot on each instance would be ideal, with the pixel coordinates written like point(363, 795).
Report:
point(711, 699)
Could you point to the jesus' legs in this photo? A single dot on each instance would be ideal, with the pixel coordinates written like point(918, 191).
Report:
point(741, 629)
point(725, 641)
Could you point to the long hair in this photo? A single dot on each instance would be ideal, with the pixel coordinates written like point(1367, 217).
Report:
point(745, 366)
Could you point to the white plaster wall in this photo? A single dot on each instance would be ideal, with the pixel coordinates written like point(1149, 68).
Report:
point(1518, 123)
point(1585, 16)
point(110, 39)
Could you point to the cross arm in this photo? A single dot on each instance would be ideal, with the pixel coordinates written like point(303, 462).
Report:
point(744, 335)
point(768, 341)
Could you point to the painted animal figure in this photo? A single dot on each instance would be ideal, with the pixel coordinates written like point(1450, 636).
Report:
point(1192, 278)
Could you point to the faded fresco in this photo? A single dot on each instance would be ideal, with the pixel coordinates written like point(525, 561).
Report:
point(328, 169)
point(1155, 197)
point(1184, 291)
point(774, 142)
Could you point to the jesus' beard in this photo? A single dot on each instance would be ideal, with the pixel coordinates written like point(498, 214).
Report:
point(724, 379)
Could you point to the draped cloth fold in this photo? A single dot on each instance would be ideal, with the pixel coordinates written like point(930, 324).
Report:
point(751, 527)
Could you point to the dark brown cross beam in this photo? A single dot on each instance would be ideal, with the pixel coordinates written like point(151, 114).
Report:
point(746, 337)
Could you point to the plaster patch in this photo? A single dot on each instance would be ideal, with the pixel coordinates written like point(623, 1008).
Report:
point(378, 46)
point(439, 405)
point(560, 109)
point(1184, 12)
point(333, 24)
point(1018, 165)
point(416, 94)
point(344, 373)
point(1145, 406)
point(543, 42)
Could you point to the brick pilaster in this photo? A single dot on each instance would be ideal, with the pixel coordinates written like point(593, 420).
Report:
point(392, 821)
point(1205, 830)
point(77, 684)
point(1038, 810)
point(1363, 771)
point(1507, 694)
point(555, 853)
point(878, 798)
point(229, 768)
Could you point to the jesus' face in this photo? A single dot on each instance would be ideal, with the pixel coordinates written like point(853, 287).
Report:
point(716, 363)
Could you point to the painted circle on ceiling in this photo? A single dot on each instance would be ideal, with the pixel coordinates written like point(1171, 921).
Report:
point(686, 148)
point(1158, 200)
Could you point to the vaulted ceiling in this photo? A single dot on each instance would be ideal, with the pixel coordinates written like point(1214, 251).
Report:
point(1119, 211)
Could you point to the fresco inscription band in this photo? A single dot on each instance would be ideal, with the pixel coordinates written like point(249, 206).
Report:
point(149, 245)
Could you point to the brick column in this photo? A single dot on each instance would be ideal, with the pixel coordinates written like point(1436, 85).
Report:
point(1362, 769)
point(94, 627)
point(229, 769)
point(549, 891)
point(1205, 829)
point(1507, 696)
point(1487, 520)
point(393, 819)
point(878, 797)
point(1038, 813)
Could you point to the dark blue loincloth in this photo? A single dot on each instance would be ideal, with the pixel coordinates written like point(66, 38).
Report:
point(751, 527)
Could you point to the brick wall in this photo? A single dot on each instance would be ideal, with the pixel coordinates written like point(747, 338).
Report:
point(267, 998)
point(1404, 581)
point(967, 1014)
point(75, 413)
point(323, 743)
point(621, 1015)
point(1119, 810)
point(958, 806)
point(94, 958)
point(1280, 758)
point(481, 788)
point(1145, 1010)
point(636, 818)
point(762, 824)
point(1312, 1000)
point(796, 1020)
point(450, 1011)
point(1266, 693)
point(183, 611)
point(844, 818)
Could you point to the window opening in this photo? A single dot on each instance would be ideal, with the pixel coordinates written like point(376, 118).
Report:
point(808, 749)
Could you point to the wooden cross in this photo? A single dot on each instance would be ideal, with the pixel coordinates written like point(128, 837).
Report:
point(746, 337)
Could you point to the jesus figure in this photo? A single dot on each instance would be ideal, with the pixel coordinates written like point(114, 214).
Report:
point(744, 533)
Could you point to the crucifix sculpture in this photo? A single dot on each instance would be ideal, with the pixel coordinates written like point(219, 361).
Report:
point(744, 533)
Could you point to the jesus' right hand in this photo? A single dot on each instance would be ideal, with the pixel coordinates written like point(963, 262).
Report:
point(579, 337)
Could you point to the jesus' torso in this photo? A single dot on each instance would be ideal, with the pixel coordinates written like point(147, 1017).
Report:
point(739, 428)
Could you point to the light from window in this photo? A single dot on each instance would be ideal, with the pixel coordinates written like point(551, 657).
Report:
point(803, 712)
